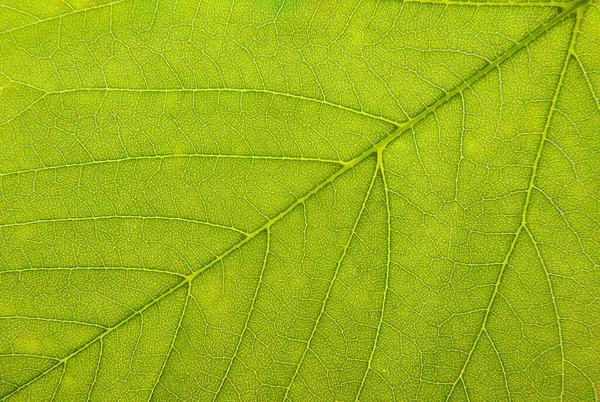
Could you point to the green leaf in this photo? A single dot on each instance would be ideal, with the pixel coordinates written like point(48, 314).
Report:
point(299, 200)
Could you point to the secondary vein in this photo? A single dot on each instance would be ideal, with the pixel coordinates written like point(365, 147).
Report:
point(523, 223)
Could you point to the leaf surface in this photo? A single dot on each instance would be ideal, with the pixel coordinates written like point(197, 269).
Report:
point(299, 200)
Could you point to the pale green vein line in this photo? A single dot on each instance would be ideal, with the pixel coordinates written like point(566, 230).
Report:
point(523, 223)
point(174, 156)
point(504, 373)
point(96, 372)
point(25, 109)
point(62, 375)
point(369, 367)
point(87, 269)
point(248, 317)
point(331, 283)
point(30, 355)
point(60, 16)
point(587, 79)
point(164, 365)
point(25, 84)
point(592, 383)
point(466, 390)
point(16, 10)
point(376, 148)
point(56, 320)
point(555, 308)
point(492, 3)
point(567, 222)
point(133, 217)
point(461, 152)
point(217, 90)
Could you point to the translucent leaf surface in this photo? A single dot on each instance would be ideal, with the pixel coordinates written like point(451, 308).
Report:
point(299, 200)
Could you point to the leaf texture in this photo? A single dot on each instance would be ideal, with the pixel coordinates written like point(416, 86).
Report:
point(299, 200)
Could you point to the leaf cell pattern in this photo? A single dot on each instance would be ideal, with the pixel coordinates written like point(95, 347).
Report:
point(299, 200)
